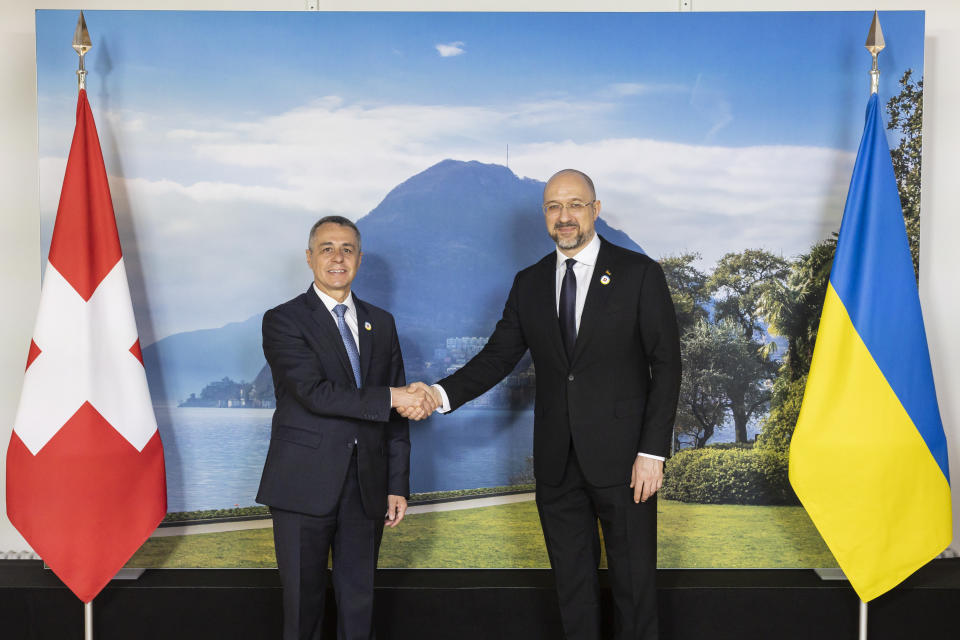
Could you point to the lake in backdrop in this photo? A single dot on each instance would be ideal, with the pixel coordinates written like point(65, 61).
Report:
point(214, 456)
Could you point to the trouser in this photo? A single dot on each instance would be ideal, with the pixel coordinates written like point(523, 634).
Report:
point(568, 515)
point(303, 543)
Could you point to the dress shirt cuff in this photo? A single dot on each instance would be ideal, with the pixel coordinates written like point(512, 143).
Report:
point(445, 406)
point(650, 455)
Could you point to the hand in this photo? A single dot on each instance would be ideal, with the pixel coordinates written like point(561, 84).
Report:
point(396, 509)
point(415, 402)
point(431, 392)
point(647, 478)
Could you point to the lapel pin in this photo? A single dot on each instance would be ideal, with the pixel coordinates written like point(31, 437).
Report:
point(607, 272)
point(367, 326)
point(605, 280)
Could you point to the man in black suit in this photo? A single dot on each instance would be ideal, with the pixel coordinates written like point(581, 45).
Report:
point(599, 323)
point(339, 458)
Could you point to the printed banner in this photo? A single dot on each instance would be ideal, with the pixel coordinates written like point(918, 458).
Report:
point(721, 144)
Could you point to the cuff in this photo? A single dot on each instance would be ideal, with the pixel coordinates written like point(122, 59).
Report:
point(445, 406)
point(650, 455)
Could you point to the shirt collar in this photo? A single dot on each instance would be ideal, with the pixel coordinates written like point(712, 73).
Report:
point(587, 255)
point(330, 303)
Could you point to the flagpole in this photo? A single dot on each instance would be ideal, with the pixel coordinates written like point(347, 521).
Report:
point(874, 45)
point(88, 620)
point(82, 44)
point(863, 620)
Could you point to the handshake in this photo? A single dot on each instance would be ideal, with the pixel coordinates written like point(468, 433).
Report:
point(415, 401)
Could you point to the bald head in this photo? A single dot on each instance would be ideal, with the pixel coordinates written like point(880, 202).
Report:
point(572, 174)
point(570, 207)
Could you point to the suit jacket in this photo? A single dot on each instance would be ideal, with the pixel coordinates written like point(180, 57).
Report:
point(618, 395)
point(321, 413)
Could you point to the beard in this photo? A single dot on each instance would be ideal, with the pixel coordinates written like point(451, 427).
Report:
point(571, 243)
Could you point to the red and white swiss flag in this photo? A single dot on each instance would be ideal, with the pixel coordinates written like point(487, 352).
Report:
point(85, 474)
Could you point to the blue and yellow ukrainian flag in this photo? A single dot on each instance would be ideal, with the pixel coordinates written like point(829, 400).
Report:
point(868, 458)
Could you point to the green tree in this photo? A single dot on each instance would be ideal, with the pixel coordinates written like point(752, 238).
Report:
point(792, 310)
point(906, 116)
point(688, 289)
point(738, 283)
point(792, 306)
point(703, 404)
point(723, 372)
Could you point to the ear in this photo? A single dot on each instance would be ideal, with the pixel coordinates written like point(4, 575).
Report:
point(596, 210)
point(307, 252)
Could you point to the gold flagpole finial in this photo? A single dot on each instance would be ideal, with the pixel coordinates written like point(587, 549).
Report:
point(81, 44)
point(875, 45)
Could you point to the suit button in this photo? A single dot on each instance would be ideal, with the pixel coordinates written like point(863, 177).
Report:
point(350, 445)
point(570, 377)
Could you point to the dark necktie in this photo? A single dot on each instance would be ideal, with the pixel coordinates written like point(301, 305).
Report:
point(568, 308)
point(348, 342)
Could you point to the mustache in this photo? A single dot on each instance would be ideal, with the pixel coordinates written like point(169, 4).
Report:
point(564, 225)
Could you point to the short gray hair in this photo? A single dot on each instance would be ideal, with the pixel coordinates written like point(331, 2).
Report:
point(340, 220)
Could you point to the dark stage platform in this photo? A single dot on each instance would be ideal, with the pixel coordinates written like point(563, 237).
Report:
point(505, 604)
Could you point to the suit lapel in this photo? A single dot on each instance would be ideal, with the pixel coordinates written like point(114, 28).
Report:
point(546, 304)
point(328, 329)
point(366, 338)
point(596, 300)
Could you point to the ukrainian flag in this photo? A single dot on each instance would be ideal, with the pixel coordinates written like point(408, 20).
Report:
point(868, 458)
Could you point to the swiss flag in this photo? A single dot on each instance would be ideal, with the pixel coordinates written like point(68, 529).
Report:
point(85, 474)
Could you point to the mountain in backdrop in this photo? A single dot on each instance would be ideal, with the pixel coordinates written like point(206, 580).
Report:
point(439, 252)
point(184, 363)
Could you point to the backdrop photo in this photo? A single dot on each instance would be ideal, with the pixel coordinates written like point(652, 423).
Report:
point(716, 146)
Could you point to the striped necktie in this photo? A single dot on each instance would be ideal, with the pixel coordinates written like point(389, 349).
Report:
point(348, 342)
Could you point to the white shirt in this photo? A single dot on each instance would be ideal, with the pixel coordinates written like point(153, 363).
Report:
point(350, 317)
point(583, 271)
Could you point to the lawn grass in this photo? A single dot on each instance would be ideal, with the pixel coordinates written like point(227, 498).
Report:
point(509, 536)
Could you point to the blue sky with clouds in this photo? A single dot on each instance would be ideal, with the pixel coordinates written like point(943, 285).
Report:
point(748, 77)
point(704, 131)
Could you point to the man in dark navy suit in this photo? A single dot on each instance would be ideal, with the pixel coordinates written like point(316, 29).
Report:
point(338, 465)
point(599, 323)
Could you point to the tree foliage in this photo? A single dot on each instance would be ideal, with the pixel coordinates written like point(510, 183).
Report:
point(906, 116)
point(716, 475)
point(792, 309)
point(738, 283)
point(792, 306)
point(707, 353)
point(688, 289)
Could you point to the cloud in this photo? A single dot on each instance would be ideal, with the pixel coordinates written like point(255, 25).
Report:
point(618, 90)
point(124, 121)
point(225, 204)
point(190, 134)
point(670, 197)
point(450, 49)
point(629, 88)
point(713, 104)
point(345, 157)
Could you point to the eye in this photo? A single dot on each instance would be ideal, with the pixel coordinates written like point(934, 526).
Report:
point(553, 207)
point(327, 249)
point(576, 206)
